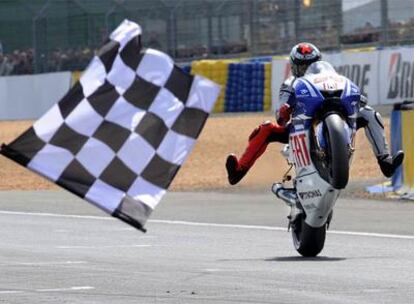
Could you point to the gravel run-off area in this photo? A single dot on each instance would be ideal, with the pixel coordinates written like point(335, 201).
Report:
point(204, 168)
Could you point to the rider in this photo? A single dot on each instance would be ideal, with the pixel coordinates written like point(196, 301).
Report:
point(301, 56)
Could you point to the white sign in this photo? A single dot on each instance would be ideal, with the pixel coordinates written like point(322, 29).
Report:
point(280, 72)
point(29, 96)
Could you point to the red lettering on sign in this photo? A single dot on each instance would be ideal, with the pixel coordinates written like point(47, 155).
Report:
point(300, 149)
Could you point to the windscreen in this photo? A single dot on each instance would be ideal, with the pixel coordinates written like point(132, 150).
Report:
point(319, 67)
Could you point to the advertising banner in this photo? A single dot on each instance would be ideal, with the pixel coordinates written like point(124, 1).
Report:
point(396, 72)
point(361, 68)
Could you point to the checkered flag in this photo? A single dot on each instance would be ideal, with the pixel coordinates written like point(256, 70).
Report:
point(119, 136)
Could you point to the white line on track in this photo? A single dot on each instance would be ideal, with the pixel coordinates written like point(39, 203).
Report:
point(98, 247)
point(74, 288)
point(45, 214)
point(48, 263)
point(65, 289)
point(10, 291)
point(354, 233)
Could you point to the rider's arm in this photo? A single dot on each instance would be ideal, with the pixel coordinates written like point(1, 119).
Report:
point(287, 99)
point(283, 116)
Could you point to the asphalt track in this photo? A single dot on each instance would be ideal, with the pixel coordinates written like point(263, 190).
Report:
point(201, 248)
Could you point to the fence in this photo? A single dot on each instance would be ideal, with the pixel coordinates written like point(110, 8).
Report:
point(56, 35)
point(385, 76)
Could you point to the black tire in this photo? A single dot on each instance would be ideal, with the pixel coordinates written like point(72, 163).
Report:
point(308, 241)
point(338, 151)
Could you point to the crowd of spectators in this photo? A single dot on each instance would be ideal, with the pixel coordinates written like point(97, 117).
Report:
point(67, 60)
point(202, 51)
point(365, 34)
point(401, 31)
point(20, 62)
point(398, 31)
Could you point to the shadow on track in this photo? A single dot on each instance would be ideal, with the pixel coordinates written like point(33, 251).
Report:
point(288, 259)
point(301, 259)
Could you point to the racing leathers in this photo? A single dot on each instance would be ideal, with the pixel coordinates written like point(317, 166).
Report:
point(267, 132)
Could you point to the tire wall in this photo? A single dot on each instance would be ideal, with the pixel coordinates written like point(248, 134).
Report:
point(246, 85)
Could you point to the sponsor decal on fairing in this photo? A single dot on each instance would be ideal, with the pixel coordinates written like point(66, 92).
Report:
point(310, 194)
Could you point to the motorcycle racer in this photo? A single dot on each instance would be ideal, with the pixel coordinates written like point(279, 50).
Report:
point(301, 56)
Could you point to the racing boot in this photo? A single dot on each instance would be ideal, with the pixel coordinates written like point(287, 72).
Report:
point(258, 141)
point(389, 164)
point(235, 172)
point(374, 130)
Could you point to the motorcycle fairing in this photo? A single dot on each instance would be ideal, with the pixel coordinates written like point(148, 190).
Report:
point(313, 92)
point(316, 196)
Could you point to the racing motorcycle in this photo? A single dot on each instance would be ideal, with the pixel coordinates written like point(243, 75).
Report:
point(321, 145)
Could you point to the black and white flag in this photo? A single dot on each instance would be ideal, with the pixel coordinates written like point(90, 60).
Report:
point(119, 136)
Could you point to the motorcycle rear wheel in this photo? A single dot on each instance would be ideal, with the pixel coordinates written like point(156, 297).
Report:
point(308, 241)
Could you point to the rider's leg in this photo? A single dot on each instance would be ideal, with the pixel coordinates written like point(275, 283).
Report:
point(258, 141)
point(374, 130)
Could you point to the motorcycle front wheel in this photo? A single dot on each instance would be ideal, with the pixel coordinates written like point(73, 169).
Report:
point(338, 151)
point(308, 241)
